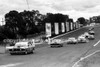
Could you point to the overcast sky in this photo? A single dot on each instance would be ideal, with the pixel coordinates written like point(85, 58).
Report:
point(73, 8)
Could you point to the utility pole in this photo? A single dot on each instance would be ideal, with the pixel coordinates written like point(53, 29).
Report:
point(27, 4)
point(2, 22)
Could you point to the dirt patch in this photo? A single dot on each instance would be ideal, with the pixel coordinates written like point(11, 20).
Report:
point(2, 49)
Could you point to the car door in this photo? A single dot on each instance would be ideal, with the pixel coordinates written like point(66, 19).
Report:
point(30, 46)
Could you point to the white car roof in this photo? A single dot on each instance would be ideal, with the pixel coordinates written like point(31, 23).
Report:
point(21, 43)
point(71, 38)
point(81, 37)
point(86, 33)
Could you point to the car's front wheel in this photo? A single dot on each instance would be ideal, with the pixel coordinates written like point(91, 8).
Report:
point(32, 50)
point(61, 45)
point(11, 53)
point(25, 52)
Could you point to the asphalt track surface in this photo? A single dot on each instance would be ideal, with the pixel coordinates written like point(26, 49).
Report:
point(44, 56)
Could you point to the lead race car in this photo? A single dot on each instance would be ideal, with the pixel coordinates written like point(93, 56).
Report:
point(89, 36)
point(55, 43)
point(86, 34)
point(82, 39)
point(72, 40)
point(91, 32)
point(21, 47)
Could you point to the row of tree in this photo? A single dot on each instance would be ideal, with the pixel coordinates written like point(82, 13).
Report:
point(95, 19)
point(21, 24)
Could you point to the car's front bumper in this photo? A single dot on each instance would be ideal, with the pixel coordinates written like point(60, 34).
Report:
point(16, 50)
point(56, 45)
point(91, 38)
point(82, 41)
point(72, 42)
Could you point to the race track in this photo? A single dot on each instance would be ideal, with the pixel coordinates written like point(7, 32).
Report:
point(52, 57)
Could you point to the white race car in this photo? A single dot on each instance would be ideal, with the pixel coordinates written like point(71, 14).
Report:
point(86, 34)
point(91, 37)
point(21, 47)
point(56, 43)
point(72, 40)
point(91, 32)
point(82, 39)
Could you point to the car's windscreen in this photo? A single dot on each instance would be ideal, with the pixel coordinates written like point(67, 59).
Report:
point(11, 44)
point(21, 45)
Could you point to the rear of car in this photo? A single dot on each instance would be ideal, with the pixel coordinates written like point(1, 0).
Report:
point(91, 37)
point(82, 39)
point(86, 34)
point(91, 32)
point(56, 43)
point(71, 40)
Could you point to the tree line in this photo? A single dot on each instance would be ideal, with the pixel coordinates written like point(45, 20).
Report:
point(95, 19)
point(21, 24)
